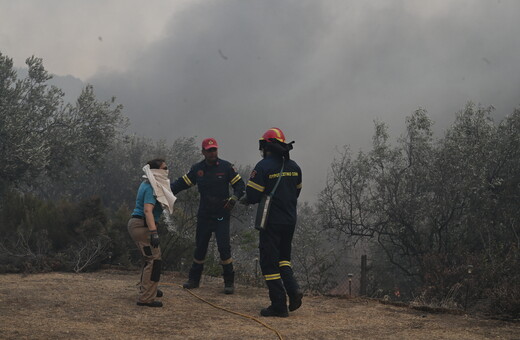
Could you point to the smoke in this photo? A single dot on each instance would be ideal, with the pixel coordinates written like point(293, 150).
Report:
point(322, 71)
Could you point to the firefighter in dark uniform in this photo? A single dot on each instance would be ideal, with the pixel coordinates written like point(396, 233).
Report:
point(212, 177)
point(276, 238)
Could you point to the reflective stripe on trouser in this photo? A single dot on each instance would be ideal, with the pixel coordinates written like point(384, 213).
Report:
point(151, 270)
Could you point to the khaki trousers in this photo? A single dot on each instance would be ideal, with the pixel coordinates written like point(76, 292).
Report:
point(151, 271)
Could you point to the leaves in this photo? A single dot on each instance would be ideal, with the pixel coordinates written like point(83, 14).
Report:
point(40, 135)
point(433, 205)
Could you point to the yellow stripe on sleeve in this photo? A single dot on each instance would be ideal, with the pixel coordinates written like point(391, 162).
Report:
point(187, 180)
point(235, 179)
point(284, 263)
point(255, 186)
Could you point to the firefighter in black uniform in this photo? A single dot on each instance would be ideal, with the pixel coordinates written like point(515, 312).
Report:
point(276, 238)
point(212, 177)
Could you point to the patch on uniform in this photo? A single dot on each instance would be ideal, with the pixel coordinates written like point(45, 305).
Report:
point(200, 173)
point(253, 174)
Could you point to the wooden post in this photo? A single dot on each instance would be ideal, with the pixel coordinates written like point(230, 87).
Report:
point(363, 278)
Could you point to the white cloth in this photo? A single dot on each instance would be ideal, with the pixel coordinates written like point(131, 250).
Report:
point(158, 178)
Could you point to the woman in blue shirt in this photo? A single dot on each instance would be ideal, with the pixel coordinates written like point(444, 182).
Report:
point(143, 230)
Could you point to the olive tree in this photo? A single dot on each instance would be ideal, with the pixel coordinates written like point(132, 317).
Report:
point(43, 138)
point(434, 206)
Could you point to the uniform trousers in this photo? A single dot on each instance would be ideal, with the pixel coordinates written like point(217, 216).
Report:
point(275, 262)
point(205, 227)
point(151, 271)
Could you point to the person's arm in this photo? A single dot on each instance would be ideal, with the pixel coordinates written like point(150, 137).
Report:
point(184, 182)
point(238, 189)
point(237, 183)
point(149, 204)
point(255, 186)
point(299, 185)
point(148, 215)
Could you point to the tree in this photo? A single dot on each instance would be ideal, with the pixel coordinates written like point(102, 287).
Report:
point(27, 110)
point(314, 259)
point(41, 138)
point(435, 207)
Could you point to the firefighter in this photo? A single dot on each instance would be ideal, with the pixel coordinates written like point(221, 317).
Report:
point(212, 176)
point(142, 227)
point(276, 237)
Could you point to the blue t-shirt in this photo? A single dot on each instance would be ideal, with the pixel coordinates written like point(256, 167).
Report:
point(145, 195)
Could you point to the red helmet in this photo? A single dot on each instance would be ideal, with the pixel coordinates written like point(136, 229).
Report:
point(273, 133)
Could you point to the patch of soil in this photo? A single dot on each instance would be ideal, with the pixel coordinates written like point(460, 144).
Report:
point(103, 305)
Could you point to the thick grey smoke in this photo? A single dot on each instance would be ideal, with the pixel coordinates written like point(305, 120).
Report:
point(322, 71)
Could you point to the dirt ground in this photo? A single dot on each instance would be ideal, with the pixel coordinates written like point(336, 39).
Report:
point(102, 305)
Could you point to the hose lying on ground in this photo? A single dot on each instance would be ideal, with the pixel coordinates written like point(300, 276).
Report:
point(227, 310)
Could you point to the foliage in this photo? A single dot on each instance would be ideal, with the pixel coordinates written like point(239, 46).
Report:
point(314, 260)
point(435, 207)
point(430, 207)
point(41, 137)
point(43, 235)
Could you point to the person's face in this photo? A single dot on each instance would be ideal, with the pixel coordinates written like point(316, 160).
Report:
point(210, 155)
point(163, 166)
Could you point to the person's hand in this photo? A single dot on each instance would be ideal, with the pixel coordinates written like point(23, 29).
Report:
point(230, 203)
point(154, 239)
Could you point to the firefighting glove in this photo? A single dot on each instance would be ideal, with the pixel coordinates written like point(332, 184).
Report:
point(154, 239)
point(230, 203)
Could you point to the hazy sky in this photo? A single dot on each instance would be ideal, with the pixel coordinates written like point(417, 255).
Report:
point(322, 71)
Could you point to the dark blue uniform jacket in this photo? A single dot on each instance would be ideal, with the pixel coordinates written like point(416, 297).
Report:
point(263, 179)
point(213, 183)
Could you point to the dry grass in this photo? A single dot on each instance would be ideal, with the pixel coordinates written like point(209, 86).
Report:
point(102, 305)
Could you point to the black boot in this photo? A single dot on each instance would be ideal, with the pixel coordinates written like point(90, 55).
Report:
point(292, 288)
point(295, 301)
point(278, 298)
point(150, 304)
point(194, 276)
point(229, 278)
point(270, 311)
point(190, 284)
